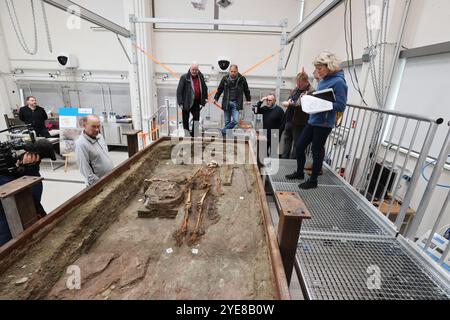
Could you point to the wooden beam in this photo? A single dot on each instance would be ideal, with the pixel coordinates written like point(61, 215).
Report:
point(18, 204)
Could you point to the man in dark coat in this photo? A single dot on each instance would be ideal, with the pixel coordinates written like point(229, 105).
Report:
point(233, 86)
point(192, 95)
point(36, 116)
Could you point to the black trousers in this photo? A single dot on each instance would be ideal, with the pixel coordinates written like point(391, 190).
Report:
point(291, 135)
point(195, 111)
point(318, 136)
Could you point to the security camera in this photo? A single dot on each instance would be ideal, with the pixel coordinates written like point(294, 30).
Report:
point(224, 63)
point(224, 3)
point(67, 61)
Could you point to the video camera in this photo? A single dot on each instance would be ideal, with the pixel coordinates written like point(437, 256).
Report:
point(13, 150)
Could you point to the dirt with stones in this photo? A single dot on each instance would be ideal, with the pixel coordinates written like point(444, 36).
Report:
point(127, 249)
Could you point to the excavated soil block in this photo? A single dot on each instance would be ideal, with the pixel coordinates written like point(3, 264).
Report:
point(104, 249)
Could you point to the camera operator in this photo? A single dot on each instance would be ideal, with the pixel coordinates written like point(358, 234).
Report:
point(34, 115)
point(28, 166)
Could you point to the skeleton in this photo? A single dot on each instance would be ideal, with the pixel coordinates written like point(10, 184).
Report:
point(181, 233)
point(203, 177)
point(198, 231)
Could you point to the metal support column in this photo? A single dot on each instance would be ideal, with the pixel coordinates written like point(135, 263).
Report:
point(137, 113)
point(283, 43)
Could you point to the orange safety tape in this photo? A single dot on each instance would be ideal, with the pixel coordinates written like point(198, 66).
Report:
point(215, 91)
point(157, 62)
point(252, 68)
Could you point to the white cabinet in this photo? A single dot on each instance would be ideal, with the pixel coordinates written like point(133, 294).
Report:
point(113, 133)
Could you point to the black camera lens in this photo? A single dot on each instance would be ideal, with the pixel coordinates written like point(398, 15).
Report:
point(62, 60)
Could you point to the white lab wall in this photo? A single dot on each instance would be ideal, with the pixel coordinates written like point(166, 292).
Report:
point(428, 23)
point(98, 52)
point(243, 47)
point(95, 50)
point(429, 98)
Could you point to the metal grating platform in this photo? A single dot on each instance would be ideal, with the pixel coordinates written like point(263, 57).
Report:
point(333, 210)
point(346, 236)
point(337, 269)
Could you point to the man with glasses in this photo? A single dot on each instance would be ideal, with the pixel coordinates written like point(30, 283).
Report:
point(273, 116)
point(93, 158)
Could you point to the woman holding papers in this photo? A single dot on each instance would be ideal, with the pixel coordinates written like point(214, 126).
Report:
point(320, 124)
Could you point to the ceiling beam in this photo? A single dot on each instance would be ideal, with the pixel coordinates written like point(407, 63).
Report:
point(74, 8)
point(215, 22)
point(318, 13)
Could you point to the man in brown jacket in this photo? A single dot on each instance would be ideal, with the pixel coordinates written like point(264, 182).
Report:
point(295, 118)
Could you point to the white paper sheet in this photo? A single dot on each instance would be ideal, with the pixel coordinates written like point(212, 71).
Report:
point(312, 105)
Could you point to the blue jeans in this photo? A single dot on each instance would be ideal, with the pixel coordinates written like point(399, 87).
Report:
point(231, 116)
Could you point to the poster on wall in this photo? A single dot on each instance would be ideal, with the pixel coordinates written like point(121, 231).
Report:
point(71, 127)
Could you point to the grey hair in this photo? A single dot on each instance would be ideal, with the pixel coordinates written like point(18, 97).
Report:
point(194, 64)
point(85, 119)
point(329, 59)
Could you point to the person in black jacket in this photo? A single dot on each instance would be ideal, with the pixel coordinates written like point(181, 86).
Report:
point(233, 86)
point(36, 116)
point(192, 95)
point(295, 118)
point(273, 116)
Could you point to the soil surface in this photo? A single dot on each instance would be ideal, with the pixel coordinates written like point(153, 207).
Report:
point(126, 247)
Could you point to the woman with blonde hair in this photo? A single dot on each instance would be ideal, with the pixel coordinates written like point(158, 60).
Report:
point(320, 124)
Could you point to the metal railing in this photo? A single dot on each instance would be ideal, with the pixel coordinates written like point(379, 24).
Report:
point(431, 187)
point(381, 154)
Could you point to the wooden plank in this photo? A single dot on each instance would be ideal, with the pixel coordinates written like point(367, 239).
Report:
point(27, 208)
point(12, 216)
point(228, 180)
point(18, 185)
point(278, 273)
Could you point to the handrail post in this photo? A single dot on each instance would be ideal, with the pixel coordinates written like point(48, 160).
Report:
point(429, 191)
point(417, 171)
